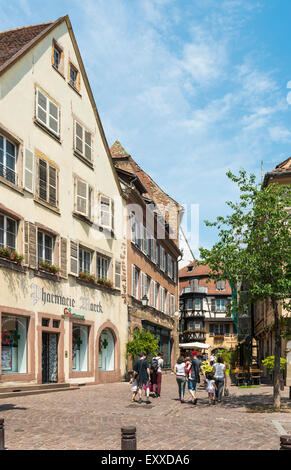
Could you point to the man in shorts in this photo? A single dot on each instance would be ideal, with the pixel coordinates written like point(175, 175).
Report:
point(142, 373)
point(196, 367)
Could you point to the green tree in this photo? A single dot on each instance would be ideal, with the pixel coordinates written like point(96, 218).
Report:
point(254, 249)
point(142, 341)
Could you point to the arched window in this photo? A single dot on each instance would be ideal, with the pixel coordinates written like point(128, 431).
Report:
point(106, 350)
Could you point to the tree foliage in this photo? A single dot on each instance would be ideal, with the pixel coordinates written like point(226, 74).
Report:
point(254, 250)
point(142, 341)
point(254, 241)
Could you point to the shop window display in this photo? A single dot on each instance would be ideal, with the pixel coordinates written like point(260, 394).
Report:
point(80, 348)
point(14, 345)
point(106, 351)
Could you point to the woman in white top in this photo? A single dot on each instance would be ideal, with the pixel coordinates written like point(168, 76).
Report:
point(219, 377)
point(179, 371)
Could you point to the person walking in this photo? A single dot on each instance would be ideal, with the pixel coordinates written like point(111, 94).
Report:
point(219, 377)
point(210, 388)
point(180, 372)
point(142, 375)
point(194, 368)
point(156, 373)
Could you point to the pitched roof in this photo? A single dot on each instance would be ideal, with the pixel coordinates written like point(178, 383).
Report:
point(282, 169)
point(118, 151)
point(15, 41)
point(191, 270)
point(201, 272)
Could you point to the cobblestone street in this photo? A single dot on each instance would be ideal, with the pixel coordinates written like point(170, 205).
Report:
point(91, 417)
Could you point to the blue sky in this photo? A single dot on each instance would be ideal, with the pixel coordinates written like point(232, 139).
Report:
point(191, 88)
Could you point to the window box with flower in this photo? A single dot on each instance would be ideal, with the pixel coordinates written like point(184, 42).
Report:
point(48, 267)
point(87, 277)
point(105, 282)
point(11, 255)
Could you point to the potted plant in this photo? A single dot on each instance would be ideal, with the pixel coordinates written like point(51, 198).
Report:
point(269, 362)
point(105, 282)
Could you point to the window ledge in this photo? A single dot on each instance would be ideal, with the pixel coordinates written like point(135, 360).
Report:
point(10, 185)
point(83, 218)
point(47, 131)
point(6, 263)
point(75, 89)
point(57, 70)
point(98, 287)
point(47, 205)
point(46, 275)
point(84, 159)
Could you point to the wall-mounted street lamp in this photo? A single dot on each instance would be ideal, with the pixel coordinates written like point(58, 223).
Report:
point(145, 301)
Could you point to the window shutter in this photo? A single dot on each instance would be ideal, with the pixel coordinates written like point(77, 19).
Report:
point(74, 249)
point(52, 186)
point(41, 112)
point(28, 169)
point(117, 274)
point(78, 137)
point(26, 243)
point(90, 202)
point(32, 245)
point(133, 281)
point(42, 179)
point(63, 257)
point(88, 145)
point(82, 194)
point(112, 214)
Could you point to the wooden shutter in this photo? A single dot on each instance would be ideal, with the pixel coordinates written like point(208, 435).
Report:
point(32, 245)
point(63, 257)
point(26, 243)
point(82, 197)
point(78, 137)
point(74, 265)
point(42, 179)
point(52, 186)
point(112, 214)
point(153, 293)
point(28, 170)
point(41, 107)
point(88, 145)
point(117, 274)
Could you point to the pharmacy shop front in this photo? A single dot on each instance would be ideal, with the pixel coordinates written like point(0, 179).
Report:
point(60, 332)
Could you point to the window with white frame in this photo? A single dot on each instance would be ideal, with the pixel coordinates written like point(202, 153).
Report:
point(45, 247)
point(47, 112)
point(8, 232)
point(153, 249)
point(135, 282)
point(157, 295)
point(8, 157)
point(145, 285)
point(47, 182)
point(220, 305)
point(83, 197)
point(117, 275)
point(103, 265)
point(84, 260)
point(106, 212)
point(83, 141)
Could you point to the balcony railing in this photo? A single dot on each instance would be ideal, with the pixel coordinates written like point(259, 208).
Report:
point(192, 336)
point(8, 174)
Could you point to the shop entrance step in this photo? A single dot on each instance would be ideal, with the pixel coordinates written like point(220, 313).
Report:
point(7, 392)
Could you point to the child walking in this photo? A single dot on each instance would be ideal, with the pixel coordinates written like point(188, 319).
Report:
point(210, 388)
point(133, 383)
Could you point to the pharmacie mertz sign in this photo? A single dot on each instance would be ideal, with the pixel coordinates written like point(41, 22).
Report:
point(72, 307)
